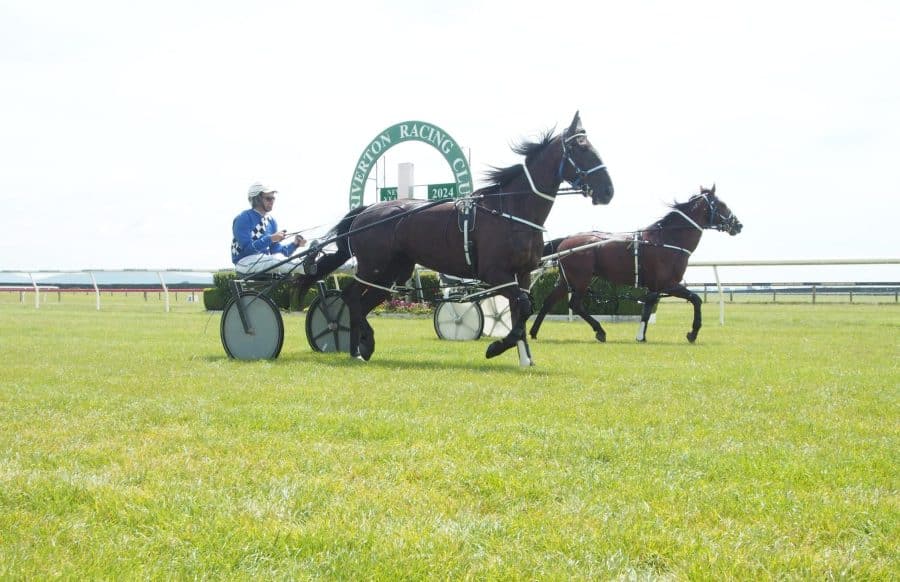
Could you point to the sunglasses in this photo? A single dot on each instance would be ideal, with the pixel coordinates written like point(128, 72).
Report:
point(268, 198)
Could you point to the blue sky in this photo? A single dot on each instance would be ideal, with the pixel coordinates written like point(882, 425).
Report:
point(130, 131)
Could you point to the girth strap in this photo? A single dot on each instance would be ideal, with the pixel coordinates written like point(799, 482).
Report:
point(637, 242)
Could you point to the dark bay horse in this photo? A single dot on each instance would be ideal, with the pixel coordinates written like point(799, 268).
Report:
point(655, 257)
point(501, 247)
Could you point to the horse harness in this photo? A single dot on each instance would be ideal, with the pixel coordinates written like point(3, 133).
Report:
point(467, 207)
point(637, 241)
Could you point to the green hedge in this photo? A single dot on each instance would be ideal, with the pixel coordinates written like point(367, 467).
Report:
point(284, 294)
point(213, 299)
point(603, 298)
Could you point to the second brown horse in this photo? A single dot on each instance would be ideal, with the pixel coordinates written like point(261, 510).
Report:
point(655, 258)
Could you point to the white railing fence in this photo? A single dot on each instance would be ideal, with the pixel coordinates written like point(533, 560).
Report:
point(783, 263)
point(33, 277)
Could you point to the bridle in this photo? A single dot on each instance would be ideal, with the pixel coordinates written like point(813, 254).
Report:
point(725, 224)
point(580, 174)
point(579, 182)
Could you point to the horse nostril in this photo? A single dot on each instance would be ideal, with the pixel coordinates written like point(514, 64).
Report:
point(602, 195)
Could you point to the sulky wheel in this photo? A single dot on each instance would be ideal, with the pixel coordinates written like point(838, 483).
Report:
point(497, 317)
point(263, 335)
point(328, 323)
point(454, 320)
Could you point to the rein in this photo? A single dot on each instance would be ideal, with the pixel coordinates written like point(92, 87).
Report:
point(511, 217)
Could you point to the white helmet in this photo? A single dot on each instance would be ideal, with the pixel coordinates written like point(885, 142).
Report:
point(256, 188)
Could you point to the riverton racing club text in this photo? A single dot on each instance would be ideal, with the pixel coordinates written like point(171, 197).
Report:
point(411, 131)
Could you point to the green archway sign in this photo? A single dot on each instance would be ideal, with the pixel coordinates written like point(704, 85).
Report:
point(410, 131)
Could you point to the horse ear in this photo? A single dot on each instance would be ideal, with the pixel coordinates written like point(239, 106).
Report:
point(713, 189)
point(576, 123)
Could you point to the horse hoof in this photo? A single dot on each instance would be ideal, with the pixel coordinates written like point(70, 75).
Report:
point(495, 349)
point(533, 335)
point(366, 348)
point(601, 337)
point(691, 337)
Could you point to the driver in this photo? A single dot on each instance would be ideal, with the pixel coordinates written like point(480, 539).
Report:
point(257, 243)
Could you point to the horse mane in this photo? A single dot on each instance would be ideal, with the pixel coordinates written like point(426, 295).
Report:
point(499, 177)
point(675, 205)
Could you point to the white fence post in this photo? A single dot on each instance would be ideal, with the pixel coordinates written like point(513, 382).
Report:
point(162, 281)
point(37, 299)
point(96, 288)
point(721, 296)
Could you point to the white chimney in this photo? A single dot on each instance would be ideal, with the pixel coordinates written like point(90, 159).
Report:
point(405, 180)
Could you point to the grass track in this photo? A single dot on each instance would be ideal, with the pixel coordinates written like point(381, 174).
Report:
point(131, 447)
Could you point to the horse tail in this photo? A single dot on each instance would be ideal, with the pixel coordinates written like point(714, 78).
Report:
point(550, 247)
point(333, 261)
